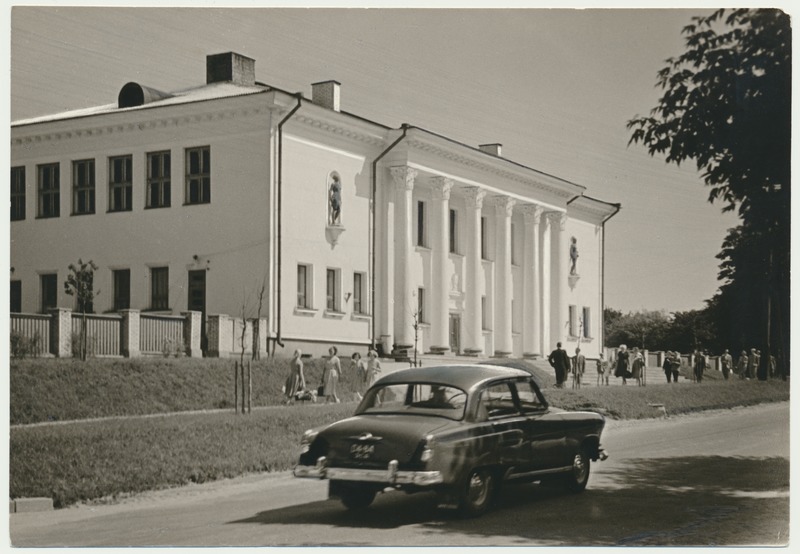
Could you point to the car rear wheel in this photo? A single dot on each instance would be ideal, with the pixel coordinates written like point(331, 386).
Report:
point(579, 476)
point(477, 492)
point(355, 497)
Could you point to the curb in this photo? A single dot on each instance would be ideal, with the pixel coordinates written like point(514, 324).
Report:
point(23, 505)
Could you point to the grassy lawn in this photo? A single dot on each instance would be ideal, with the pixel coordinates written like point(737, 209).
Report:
point(73, 462)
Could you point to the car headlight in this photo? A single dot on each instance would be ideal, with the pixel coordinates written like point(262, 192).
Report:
point(308, 437)
point(427, 449)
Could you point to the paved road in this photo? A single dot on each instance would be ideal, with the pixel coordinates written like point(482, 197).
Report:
point(718, 478)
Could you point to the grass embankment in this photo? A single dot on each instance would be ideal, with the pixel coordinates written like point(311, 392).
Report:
point(73, 462)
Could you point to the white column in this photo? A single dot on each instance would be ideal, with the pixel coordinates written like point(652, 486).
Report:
point(531, 323)
point(560, 275)
point(474, 268)
point(403, 177)
point(544, 320)
point(440, 209)
point(384, 287)
point(504, 344)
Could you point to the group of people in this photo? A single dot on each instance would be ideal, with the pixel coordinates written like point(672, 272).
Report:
point(746, 366)
point(563, 365)
point(366, 371)
point(629, 365)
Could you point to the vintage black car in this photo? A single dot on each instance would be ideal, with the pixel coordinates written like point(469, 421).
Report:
point(460, 430)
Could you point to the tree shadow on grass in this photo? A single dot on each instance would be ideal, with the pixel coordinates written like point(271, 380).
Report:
point(689, 501)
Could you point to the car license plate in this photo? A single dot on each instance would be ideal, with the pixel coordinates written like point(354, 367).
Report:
point(362, 451)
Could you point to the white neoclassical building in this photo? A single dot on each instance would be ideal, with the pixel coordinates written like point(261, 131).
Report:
point(235, 194)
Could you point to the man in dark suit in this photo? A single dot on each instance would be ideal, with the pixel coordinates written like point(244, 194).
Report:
point(559, 360)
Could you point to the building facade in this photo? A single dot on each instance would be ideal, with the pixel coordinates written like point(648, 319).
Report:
point(238, 198)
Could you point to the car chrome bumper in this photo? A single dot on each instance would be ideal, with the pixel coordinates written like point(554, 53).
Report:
point(391, 475)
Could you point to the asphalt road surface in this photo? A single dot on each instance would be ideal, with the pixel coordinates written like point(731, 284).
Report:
point(719, 478)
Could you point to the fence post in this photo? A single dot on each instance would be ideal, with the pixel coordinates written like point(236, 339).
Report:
point(61, 332)
point(219, 335)
point(131, 325)
point(191, 333)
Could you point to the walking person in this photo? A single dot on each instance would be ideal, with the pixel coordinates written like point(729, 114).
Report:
point(667, 366)
point(752, 364)
point(741, 365)
point(296, 381)
point(623, 364)
point(330, 376)
point(699, 365)
point(727, 364)
point(578, 367)
point(359, 368)
point(676, 366)
point(559, 361)
point(373, 368)
point(602, 370)
point(637, 366)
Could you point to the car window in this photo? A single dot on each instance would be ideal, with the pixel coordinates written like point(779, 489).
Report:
point(496, 400)
point(415, 398)
point(529, 400)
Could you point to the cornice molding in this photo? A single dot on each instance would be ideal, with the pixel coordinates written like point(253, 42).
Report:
point(339, 129)
point(152, 123)
point(490, 168)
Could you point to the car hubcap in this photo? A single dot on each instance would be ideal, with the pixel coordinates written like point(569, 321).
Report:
point(478, 488)
point(579, 468)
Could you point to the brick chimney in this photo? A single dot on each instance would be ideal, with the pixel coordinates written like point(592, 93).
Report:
point(326, 94)
point(494, 149)
point(230, 67)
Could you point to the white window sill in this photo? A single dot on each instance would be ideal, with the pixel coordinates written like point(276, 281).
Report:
point(333, 314)
point(361, 317)
point(308, 312)
point(419, 248)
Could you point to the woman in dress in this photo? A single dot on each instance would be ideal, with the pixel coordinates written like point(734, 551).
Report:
point(330, 376)
point(621, 369)
point(296, 380)
point(373, 368)
point(637, 366)
point(360, 368)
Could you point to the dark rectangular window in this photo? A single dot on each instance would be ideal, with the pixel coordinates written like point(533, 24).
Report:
point(420, 223)
point(158, 179)
point(17, 193)
point(358, 293)
point(48, 283)
point(302, 287)
point(453, 231)
point(573, 321)
point(120, 184)
point(83, 187)
point(15, 305)
point(421, 315)
point(198, 175)
point(484, 252)
point(49, 191)
point(332, 290)
point(122, 289)
point(484, 317)
point(587, 329)
point(512, 234)
point(159, 288)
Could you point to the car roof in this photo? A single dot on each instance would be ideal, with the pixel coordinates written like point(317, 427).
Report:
point(460, 376)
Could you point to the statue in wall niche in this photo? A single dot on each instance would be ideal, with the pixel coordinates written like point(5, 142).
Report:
point(573, 256)
point(335, 201)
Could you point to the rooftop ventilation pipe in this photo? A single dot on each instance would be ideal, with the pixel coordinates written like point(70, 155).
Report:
point(134, 94)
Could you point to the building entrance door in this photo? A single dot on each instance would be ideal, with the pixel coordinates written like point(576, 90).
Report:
point(197, 300)
point(455, 333)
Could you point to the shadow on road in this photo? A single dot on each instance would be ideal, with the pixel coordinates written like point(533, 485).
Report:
point(701, 500)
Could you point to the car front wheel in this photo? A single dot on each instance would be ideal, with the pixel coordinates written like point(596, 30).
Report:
point(579, 476)
point(477, 492)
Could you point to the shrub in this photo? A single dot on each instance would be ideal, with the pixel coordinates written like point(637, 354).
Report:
point(23, 346)
point(77, 345)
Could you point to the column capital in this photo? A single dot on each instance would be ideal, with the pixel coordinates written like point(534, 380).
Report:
point(504, 205)
point(441, 187)
point(532, 213)
point(474, 196)
point(403, 176)
point(557, 218)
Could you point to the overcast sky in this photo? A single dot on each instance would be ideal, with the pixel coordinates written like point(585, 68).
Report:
point(555, 87)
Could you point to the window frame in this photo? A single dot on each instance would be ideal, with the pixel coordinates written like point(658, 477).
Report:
point(15, 296)
point(421, 227)
point(573, 320)
point(48, 194)
point(202, 178)
point(48, 291)
point(333, 295)
point(359, 278)
point(83, 189)
point(307, 298)
point(484, 238)
point(18, 190)
point(161, 182)
point(422, 312)
point(586, 319)
point(159, 279)
point(453, 231)
point(123, 186)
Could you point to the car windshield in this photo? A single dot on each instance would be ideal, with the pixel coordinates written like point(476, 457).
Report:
point(427, 399)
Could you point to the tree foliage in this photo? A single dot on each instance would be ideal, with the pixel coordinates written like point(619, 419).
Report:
point(726, 105)
point(80, 284)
